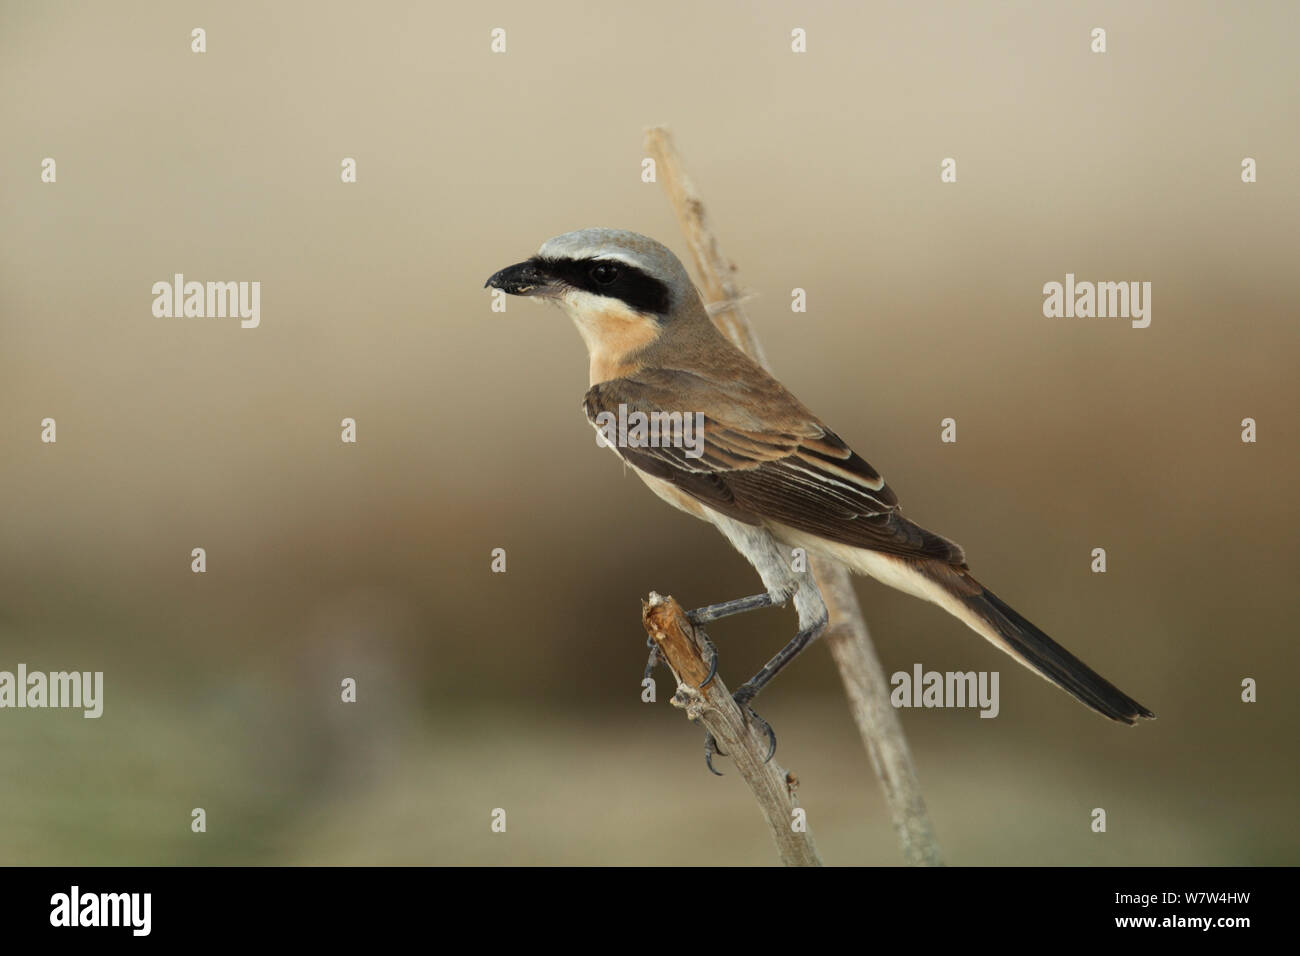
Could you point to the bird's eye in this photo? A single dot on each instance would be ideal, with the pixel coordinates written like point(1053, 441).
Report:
point(604, 273)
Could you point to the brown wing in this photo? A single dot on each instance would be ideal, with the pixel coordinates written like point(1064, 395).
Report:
point(766, 457)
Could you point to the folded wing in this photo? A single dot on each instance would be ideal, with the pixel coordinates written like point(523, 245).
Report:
point(767, 458)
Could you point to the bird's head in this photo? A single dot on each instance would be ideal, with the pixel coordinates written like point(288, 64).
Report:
point(624, 291)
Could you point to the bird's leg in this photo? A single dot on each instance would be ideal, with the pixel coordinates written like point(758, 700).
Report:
point(783, 582)
point(714, 612)
point(749, 690)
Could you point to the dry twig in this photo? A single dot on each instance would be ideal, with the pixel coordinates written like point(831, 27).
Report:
point(681, 645)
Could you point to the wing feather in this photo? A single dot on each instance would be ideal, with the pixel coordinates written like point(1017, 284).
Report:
point(793, 470)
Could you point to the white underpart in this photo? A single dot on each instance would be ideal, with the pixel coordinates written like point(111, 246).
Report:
point(885, 568)
point(774, 566)
point(760, 548)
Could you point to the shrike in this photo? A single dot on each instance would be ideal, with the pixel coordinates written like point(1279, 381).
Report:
point(770, 476)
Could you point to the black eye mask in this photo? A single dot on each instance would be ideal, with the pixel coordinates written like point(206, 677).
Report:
point(636, 289)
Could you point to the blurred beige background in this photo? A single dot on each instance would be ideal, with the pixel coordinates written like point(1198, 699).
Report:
point(521, 690)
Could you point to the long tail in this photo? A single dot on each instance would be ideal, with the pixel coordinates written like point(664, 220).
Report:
point(939, 575)
point(1027, 644)
point(950, 585)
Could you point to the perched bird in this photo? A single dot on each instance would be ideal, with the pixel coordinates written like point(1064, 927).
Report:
point(767, 473)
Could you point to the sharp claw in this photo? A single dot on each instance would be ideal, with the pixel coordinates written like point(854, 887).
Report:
point(654, 660)
point(711, 748)
point(713, 663)
point(771, 737)
point(742, 697)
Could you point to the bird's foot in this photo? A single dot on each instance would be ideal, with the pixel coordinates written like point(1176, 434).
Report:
point(742, 697)
point(656, 658)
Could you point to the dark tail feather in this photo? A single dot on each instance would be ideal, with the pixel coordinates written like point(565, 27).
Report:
point(1034, 648)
